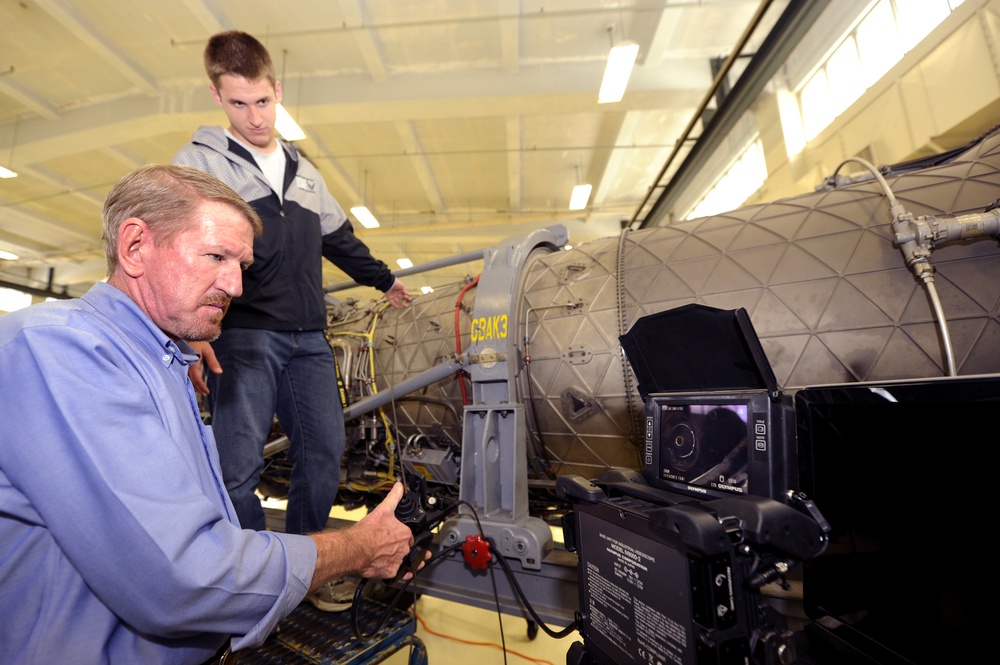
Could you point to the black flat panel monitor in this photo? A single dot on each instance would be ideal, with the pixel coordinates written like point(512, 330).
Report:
point(904, 473)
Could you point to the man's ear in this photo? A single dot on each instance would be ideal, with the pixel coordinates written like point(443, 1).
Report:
point(277, 92)
point(215, 94)
point(134, 238)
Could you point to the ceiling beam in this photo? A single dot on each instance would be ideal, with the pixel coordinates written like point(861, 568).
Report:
point(28, 99)
point(334, 175)
point(793, 24)
point(617, 129)
point(122, 156)
point(210, 17)
point(63, 184)
point(510, 40)
point(178, 109)
point(514, 166)
point(418, 160)
point(79, 27)
point(364, 38)
point(14, 222)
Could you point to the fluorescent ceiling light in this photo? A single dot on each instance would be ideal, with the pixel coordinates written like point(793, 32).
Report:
point(578, 200)
point(616, 74)
point(288, 128)
point(10, 256)
point(7, 173)
point(367, 219)
point(426, 289)
point(404, 263)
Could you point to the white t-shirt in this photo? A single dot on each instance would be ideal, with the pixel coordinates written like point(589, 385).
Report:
point(271, 163)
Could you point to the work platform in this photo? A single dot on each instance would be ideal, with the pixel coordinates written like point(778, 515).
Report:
point(309, 636)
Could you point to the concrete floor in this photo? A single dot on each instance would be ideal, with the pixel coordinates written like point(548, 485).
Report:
point(475, 637)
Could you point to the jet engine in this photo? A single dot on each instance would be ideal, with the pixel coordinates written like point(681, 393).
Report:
point(840, 283)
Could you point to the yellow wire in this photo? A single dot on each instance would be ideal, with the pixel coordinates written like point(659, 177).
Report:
point(369, 337)
point(367, 488)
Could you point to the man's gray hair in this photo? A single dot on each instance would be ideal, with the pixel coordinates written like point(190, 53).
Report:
point(165, 197)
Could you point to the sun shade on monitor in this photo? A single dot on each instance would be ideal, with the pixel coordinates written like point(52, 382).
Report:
point(697, 348)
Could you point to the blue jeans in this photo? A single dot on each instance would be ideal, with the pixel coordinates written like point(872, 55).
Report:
point(291, 374)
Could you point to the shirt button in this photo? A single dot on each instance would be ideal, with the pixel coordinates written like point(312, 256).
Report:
point(166, 358)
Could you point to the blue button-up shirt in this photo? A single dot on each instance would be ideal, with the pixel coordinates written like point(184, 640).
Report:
point(118, 541)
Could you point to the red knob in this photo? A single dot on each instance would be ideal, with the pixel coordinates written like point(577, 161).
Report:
point(476, 552)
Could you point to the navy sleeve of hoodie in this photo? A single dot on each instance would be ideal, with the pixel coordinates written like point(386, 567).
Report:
point(346, 251)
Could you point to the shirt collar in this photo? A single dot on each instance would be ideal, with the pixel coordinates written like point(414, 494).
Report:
point(125, 314)
point(185, 354)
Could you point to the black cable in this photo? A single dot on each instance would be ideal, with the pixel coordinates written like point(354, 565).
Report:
point(475, 515)
point(493, 579)
point(358, 633)
point(517, 587)
point(524, 599)
point(361, 635)
point(448, 551)
point(496, 599)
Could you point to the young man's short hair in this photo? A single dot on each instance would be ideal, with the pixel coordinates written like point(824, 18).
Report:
point(237, 54)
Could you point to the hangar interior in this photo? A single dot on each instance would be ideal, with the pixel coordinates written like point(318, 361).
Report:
point(828, 168)
point(460, 123)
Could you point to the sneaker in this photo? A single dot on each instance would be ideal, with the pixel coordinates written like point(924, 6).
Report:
point(336, 595)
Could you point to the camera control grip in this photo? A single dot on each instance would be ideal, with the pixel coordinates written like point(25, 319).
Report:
point(410, 512)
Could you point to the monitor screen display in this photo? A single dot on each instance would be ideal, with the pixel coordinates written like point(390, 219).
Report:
point(704, 445)
point(716, 445)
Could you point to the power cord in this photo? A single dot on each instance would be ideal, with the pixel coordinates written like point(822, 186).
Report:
point(527, 604)
point(440, 556)
point(494, 645)
point(391, 607)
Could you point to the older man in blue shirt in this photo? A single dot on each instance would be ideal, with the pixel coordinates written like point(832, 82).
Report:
point(118, 541)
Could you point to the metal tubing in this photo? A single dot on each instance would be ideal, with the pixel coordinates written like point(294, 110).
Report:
point(423, 267)
point(412, 384)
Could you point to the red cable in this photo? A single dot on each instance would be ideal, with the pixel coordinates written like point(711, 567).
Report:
point(458, 335)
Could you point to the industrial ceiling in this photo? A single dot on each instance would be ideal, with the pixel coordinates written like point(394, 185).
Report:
point(458, 122)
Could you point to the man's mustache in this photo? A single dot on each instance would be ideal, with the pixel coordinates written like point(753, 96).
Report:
point(218, 301)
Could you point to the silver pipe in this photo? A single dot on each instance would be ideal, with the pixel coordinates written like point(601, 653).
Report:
point(274, 447)
point(423, 267)
point(893, 204)
point(345, 364)
point(916, 238)
point(414, 383)
point(942, 324)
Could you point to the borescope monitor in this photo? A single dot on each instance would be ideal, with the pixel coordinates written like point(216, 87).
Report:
point(716, 424)
point(719, 444)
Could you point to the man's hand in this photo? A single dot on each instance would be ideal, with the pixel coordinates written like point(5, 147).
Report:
point(374, 547)
point(389, 539)
point(398, 296)
point(207, 356)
